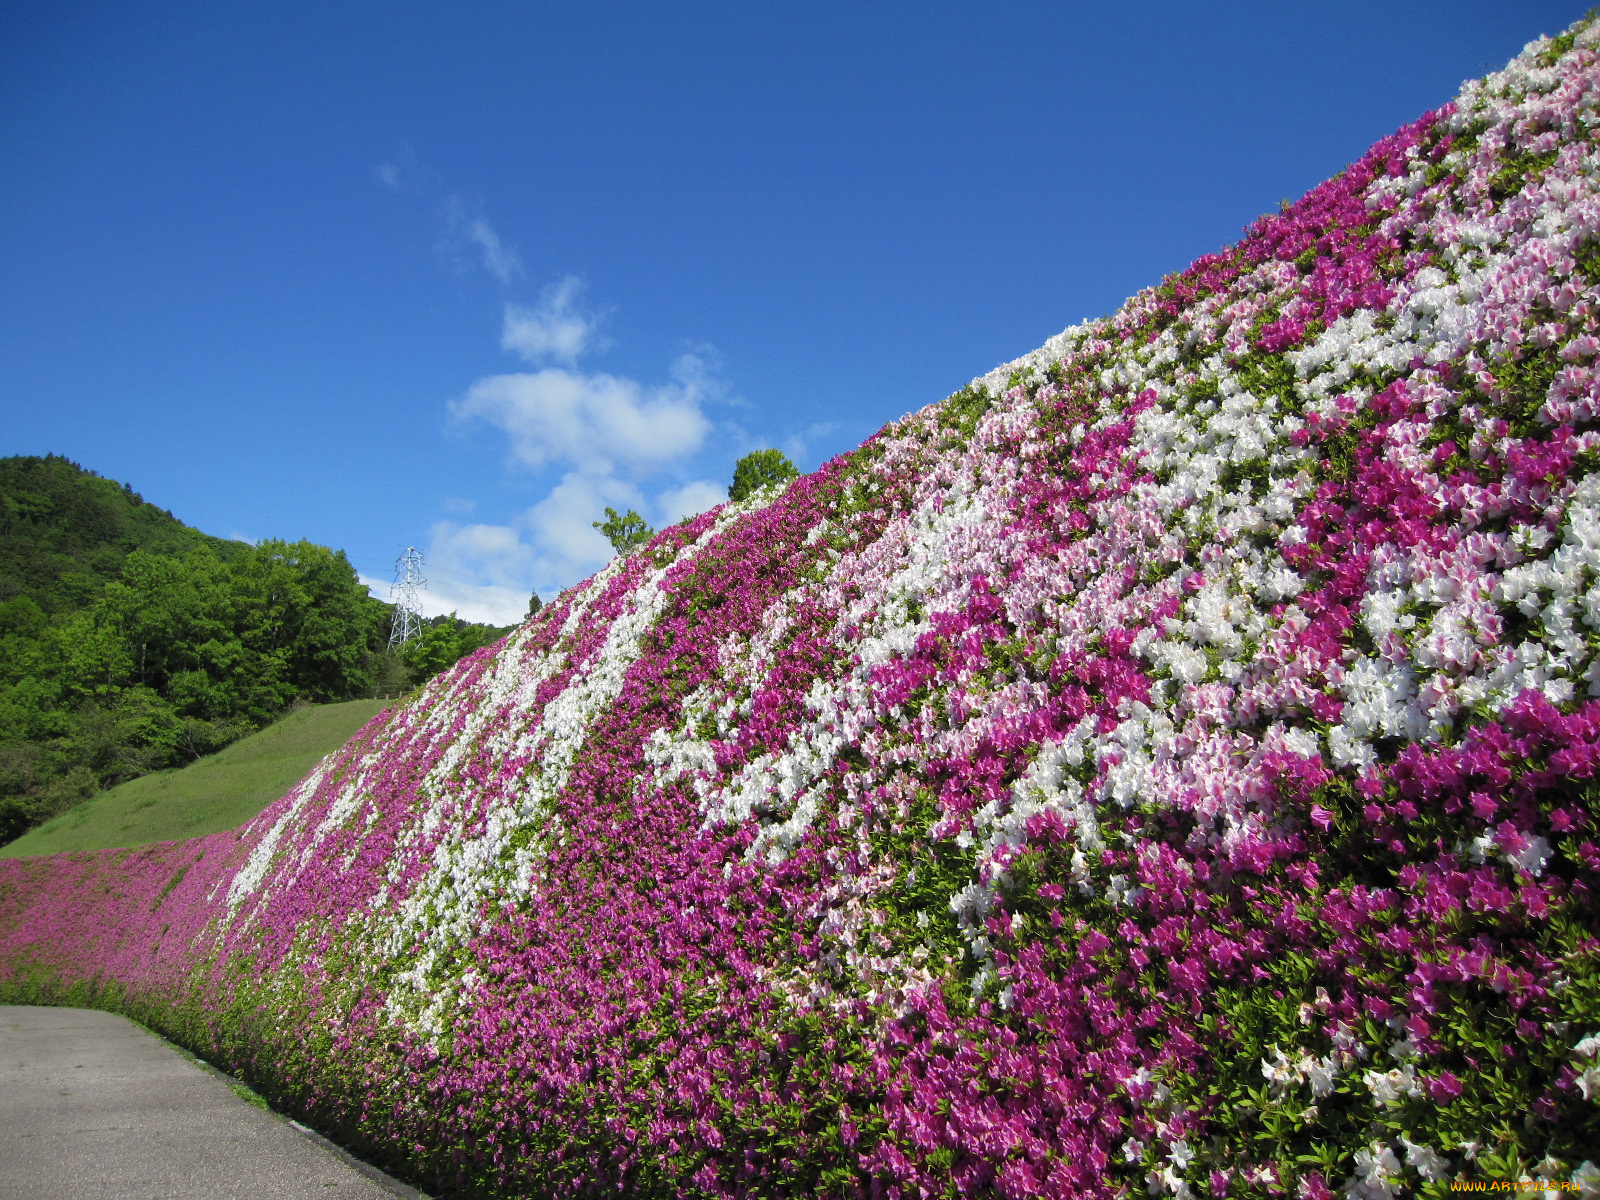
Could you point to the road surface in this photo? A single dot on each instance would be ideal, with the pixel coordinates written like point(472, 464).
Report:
point(92, 1107)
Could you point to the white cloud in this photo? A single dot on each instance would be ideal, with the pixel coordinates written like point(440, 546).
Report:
point(477, 571)
point(485, 552)
point(487, 604)
point(486, 572)
point(690, 500)
point(554, 329)
point(562, 526)
point(378, 587)
point(400, 170)
point(798, 445)
point(465, 231)
point(597, 422)
point(606, 439)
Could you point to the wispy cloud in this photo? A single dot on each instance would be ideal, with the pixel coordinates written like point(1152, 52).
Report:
point(692, 499)
point(597, 422)
point(552, 329)
point(467, 239)
point(606, 438)
point(398, 171)
point(487, 572)
point(798, 445)
point(470, 234)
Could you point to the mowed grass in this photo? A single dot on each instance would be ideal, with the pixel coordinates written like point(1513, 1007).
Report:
point(220, 791)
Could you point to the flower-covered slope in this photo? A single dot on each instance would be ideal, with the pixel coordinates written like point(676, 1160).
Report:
point(1166, 766)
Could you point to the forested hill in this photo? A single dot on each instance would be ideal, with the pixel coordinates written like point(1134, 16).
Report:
point(65, 532)
point(130, 642)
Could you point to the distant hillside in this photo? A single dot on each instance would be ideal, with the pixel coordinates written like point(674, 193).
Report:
point(65, 532)
point(221, 791)
point(132, 643)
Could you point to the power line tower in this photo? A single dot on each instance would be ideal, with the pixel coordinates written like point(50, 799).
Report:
point(408, 582)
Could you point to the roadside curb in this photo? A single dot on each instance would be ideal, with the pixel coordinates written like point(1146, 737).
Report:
point(378, 1176)
point(384, 1180)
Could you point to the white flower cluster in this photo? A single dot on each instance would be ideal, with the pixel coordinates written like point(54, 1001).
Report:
point(1587, 1053)
point(1379, 1174)
point(1587, 1180)
point(247, 881)
point(1282, 1075)
point(1436, 616)
point(471, 865)
point(1226, 474)
point(1393, 1087)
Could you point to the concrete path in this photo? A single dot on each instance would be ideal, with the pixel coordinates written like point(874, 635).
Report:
point(92, 1107)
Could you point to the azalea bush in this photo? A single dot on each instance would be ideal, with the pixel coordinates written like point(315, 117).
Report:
point(1168, 766)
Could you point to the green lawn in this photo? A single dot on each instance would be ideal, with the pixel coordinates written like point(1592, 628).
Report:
point(220, 791)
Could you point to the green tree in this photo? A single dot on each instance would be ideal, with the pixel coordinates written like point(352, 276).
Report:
point(93, 653)
point(130, 643)
point(443, 642)
point(308, 618)
point(165, 608)
point(627, 532)
point(759, 469)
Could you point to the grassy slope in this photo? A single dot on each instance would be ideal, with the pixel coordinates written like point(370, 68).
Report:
point(218, 792)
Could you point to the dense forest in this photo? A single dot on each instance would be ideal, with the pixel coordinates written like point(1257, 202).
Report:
point(130, 642)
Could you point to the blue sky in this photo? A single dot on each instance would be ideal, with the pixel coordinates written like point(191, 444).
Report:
point(459, 275)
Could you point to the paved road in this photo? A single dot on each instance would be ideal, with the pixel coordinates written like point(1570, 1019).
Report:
point(94, 1108)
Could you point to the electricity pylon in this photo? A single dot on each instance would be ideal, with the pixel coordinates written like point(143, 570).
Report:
point(408, 582)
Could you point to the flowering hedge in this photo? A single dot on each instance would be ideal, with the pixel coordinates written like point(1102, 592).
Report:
point(1167, 765)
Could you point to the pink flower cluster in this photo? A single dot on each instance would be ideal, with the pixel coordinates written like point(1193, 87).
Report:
point(1166, 766)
